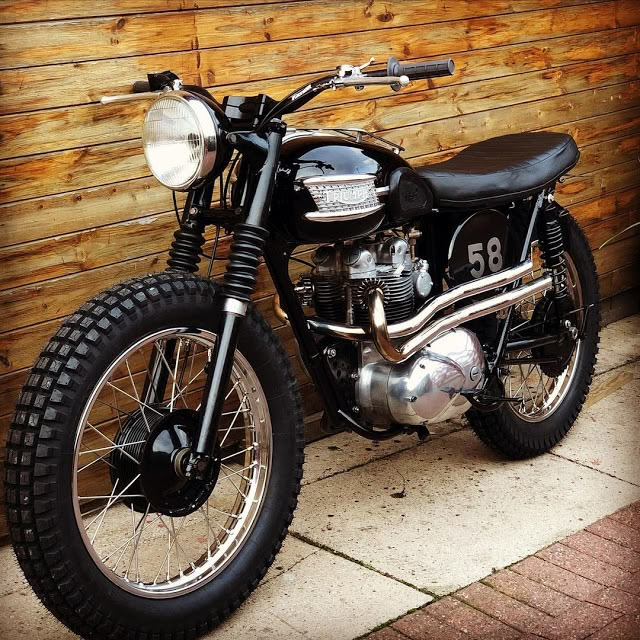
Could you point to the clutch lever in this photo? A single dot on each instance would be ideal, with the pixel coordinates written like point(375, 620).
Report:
point(395, 82)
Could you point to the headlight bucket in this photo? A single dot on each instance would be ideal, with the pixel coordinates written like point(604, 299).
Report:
point(180, 137)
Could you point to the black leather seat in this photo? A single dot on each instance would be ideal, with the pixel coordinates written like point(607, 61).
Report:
point(500, 170)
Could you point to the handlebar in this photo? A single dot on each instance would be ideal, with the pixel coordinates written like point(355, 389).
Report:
point(421, 70)
point(396, 75)
point(141, 86)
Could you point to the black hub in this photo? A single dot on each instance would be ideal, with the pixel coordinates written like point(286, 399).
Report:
point(162, 455)
point(555, 317)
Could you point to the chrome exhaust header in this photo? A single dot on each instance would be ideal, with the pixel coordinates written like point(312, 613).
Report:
point(380, 333)
point(416, 326)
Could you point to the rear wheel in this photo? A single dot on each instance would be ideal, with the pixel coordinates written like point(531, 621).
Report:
point(113, 537)
point(549, 396)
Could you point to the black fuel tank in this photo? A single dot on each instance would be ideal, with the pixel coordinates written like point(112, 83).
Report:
point(326, 187)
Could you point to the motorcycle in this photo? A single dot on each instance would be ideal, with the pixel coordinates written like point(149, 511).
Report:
point(155, 458)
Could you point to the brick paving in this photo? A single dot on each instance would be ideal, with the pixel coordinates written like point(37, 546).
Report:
point(584, 586)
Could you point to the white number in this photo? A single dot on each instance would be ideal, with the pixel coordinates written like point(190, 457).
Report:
point(494, 249)
point(476, 257)
point(494, 252)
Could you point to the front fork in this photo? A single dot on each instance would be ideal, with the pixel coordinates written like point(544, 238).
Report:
point(240, 277)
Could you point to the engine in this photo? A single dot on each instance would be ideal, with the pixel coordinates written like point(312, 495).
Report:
point(428, 387)
point(342, 275)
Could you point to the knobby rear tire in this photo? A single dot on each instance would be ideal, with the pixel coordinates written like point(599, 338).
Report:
point(503, 429)
point(39, 455)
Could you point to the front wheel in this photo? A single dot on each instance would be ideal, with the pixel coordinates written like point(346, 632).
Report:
point(113, 538)
point(547, 397)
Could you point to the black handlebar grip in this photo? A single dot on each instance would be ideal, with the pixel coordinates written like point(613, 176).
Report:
point(420, 70)
point(141, 86)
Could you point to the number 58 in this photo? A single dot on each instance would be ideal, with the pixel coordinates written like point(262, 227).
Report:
point(476, 256)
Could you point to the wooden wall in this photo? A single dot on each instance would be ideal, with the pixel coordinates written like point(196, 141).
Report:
point(79, 210)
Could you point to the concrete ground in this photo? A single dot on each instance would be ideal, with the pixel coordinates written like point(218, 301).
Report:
point(383, 529)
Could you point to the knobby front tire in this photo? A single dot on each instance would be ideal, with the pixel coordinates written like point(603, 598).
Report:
point(82, 407)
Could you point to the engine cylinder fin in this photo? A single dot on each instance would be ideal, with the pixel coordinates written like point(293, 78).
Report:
point(399, 297)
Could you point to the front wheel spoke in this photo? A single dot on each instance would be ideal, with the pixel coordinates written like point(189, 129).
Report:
point(101, 515)
point(174, 381)
point(173, 541)
point(191, 379)
point(103, 458)
point(111, 501)
point(209, 521)
point(233, 516)
point(233, 421)
point(232, 455)
point(173, 378)
point(137, 531)
point(239, 472)
point(128, 540)
point(142, 404)
point(126, 453)
point(235, 486)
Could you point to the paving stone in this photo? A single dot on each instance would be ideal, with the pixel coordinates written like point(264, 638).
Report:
point(624, 628)
point(453, 493)
point(618, 532)
point(12, 577)
point(471, 621)
point(345, 451)
point(617, 600)
point(583, 620)
point(583, 565)
point(423, 626)
point(604, 550)
point(22, 615)
point(532, 593)
point(386, 634)
point(321, 597)
point(629, 515)
point(630, 583)
point(507, 610)
point(605, 437)
point(293, 551)
point(556, 578)
point(620, 341)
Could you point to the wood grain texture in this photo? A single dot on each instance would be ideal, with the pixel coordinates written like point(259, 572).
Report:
point(43, 43)
point(78, 210)
point(68, 127)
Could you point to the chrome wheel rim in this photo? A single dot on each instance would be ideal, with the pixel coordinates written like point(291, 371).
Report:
point(148, 553)
point(541, 395)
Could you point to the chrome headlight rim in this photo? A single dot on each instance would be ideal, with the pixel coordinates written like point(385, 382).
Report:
point(208, 132)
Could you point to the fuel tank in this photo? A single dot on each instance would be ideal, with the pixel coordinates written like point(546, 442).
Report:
point(331, 186)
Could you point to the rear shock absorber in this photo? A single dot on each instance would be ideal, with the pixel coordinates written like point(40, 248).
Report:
point(184, 254)
point(552, 252)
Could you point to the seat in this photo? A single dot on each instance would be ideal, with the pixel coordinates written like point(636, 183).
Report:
point(500, 170)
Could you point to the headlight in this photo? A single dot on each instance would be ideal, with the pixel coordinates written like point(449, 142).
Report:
point(180, 139)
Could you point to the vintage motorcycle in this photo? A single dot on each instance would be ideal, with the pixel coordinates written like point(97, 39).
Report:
point(155, 457)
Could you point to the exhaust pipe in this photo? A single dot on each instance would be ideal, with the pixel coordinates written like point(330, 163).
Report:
point(416, 326)
point(380, 332)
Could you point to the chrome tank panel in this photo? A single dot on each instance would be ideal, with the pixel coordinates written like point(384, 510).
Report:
point(425, 388)
point(323, 154)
